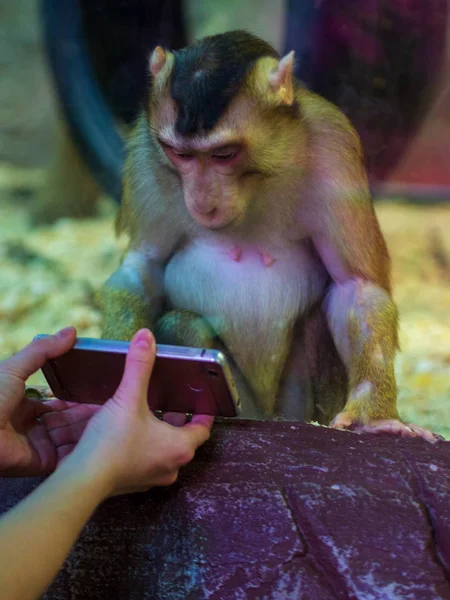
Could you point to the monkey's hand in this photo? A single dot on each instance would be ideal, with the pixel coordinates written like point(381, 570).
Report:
point(363, 320)
point(354, 419)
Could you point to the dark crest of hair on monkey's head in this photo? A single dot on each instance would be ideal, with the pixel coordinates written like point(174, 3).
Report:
point(208, 74)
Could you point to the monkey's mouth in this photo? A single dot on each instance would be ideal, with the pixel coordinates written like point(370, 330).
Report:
point(215, 219)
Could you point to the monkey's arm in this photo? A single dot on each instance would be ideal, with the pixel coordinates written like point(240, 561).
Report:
point(361, 314)
point(134, 294)
point(360, 311)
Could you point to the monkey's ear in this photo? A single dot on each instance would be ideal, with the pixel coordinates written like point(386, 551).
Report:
point(157, 61)
point(281, 79)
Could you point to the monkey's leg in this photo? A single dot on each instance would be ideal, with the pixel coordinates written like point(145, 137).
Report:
point(363, 321)
point(184, 328)
point(314, 382)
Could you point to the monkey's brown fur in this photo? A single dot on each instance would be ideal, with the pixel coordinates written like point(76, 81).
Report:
point(310, 326)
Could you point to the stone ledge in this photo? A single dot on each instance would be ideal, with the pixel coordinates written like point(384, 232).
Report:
point(273, 510)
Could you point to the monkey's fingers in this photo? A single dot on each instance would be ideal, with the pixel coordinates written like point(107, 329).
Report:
point(391, 426)
point(343, 420)
point(426, 434)
point(396, 427)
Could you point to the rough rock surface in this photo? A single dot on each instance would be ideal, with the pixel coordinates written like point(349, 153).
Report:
point(273, 511)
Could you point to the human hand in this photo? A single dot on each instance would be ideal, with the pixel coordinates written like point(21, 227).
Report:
point(25, 444)
point(123, 443)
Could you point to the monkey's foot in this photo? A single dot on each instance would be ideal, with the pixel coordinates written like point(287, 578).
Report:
point(345, 420)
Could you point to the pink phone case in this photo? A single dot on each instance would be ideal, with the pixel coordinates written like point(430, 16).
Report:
point(186, 380)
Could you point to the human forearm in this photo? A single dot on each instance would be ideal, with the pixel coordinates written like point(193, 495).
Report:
point(37, 535)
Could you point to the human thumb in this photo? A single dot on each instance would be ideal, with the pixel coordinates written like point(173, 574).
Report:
point(138, 369)
point(31, 358)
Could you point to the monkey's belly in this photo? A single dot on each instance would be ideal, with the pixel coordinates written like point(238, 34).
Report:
point(252, 307)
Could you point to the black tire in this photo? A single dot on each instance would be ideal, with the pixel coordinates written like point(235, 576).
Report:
point(88, 117)
point(98, 51)
point(118, 34)
point(385, 95)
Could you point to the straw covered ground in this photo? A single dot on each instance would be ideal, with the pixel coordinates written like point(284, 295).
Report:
point(49, 276)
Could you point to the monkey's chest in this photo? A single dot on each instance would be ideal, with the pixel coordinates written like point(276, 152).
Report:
point(256, 293)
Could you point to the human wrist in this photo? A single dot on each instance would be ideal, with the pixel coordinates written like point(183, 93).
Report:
point(85, 473)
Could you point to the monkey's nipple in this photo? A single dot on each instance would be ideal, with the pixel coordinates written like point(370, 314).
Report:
point(267, 259)
point(235, 253)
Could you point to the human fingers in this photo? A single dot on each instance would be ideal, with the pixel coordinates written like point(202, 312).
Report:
point(54, 405)
point(206, 421)
point(197, 432)
point(41, 408)
point(138, 369)
point(174, 418)
point(64, 451)
point(70, 434)
point(31, 358)
point(29, 409)
point(69, 416)
point(186, 440)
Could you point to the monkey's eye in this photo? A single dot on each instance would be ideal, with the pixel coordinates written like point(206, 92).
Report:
point(226, 153)
point(182, 155)
point(174, 153)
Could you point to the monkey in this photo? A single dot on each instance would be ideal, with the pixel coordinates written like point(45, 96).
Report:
point(252, 230)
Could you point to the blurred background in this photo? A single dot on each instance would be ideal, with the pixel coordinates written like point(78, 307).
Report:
point(72, 76)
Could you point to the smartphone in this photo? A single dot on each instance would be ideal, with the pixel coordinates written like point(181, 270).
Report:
point(185, 380)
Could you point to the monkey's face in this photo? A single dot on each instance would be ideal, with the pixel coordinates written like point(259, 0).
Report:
point(224, 172)
point(212, 170)
point(221, 124)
